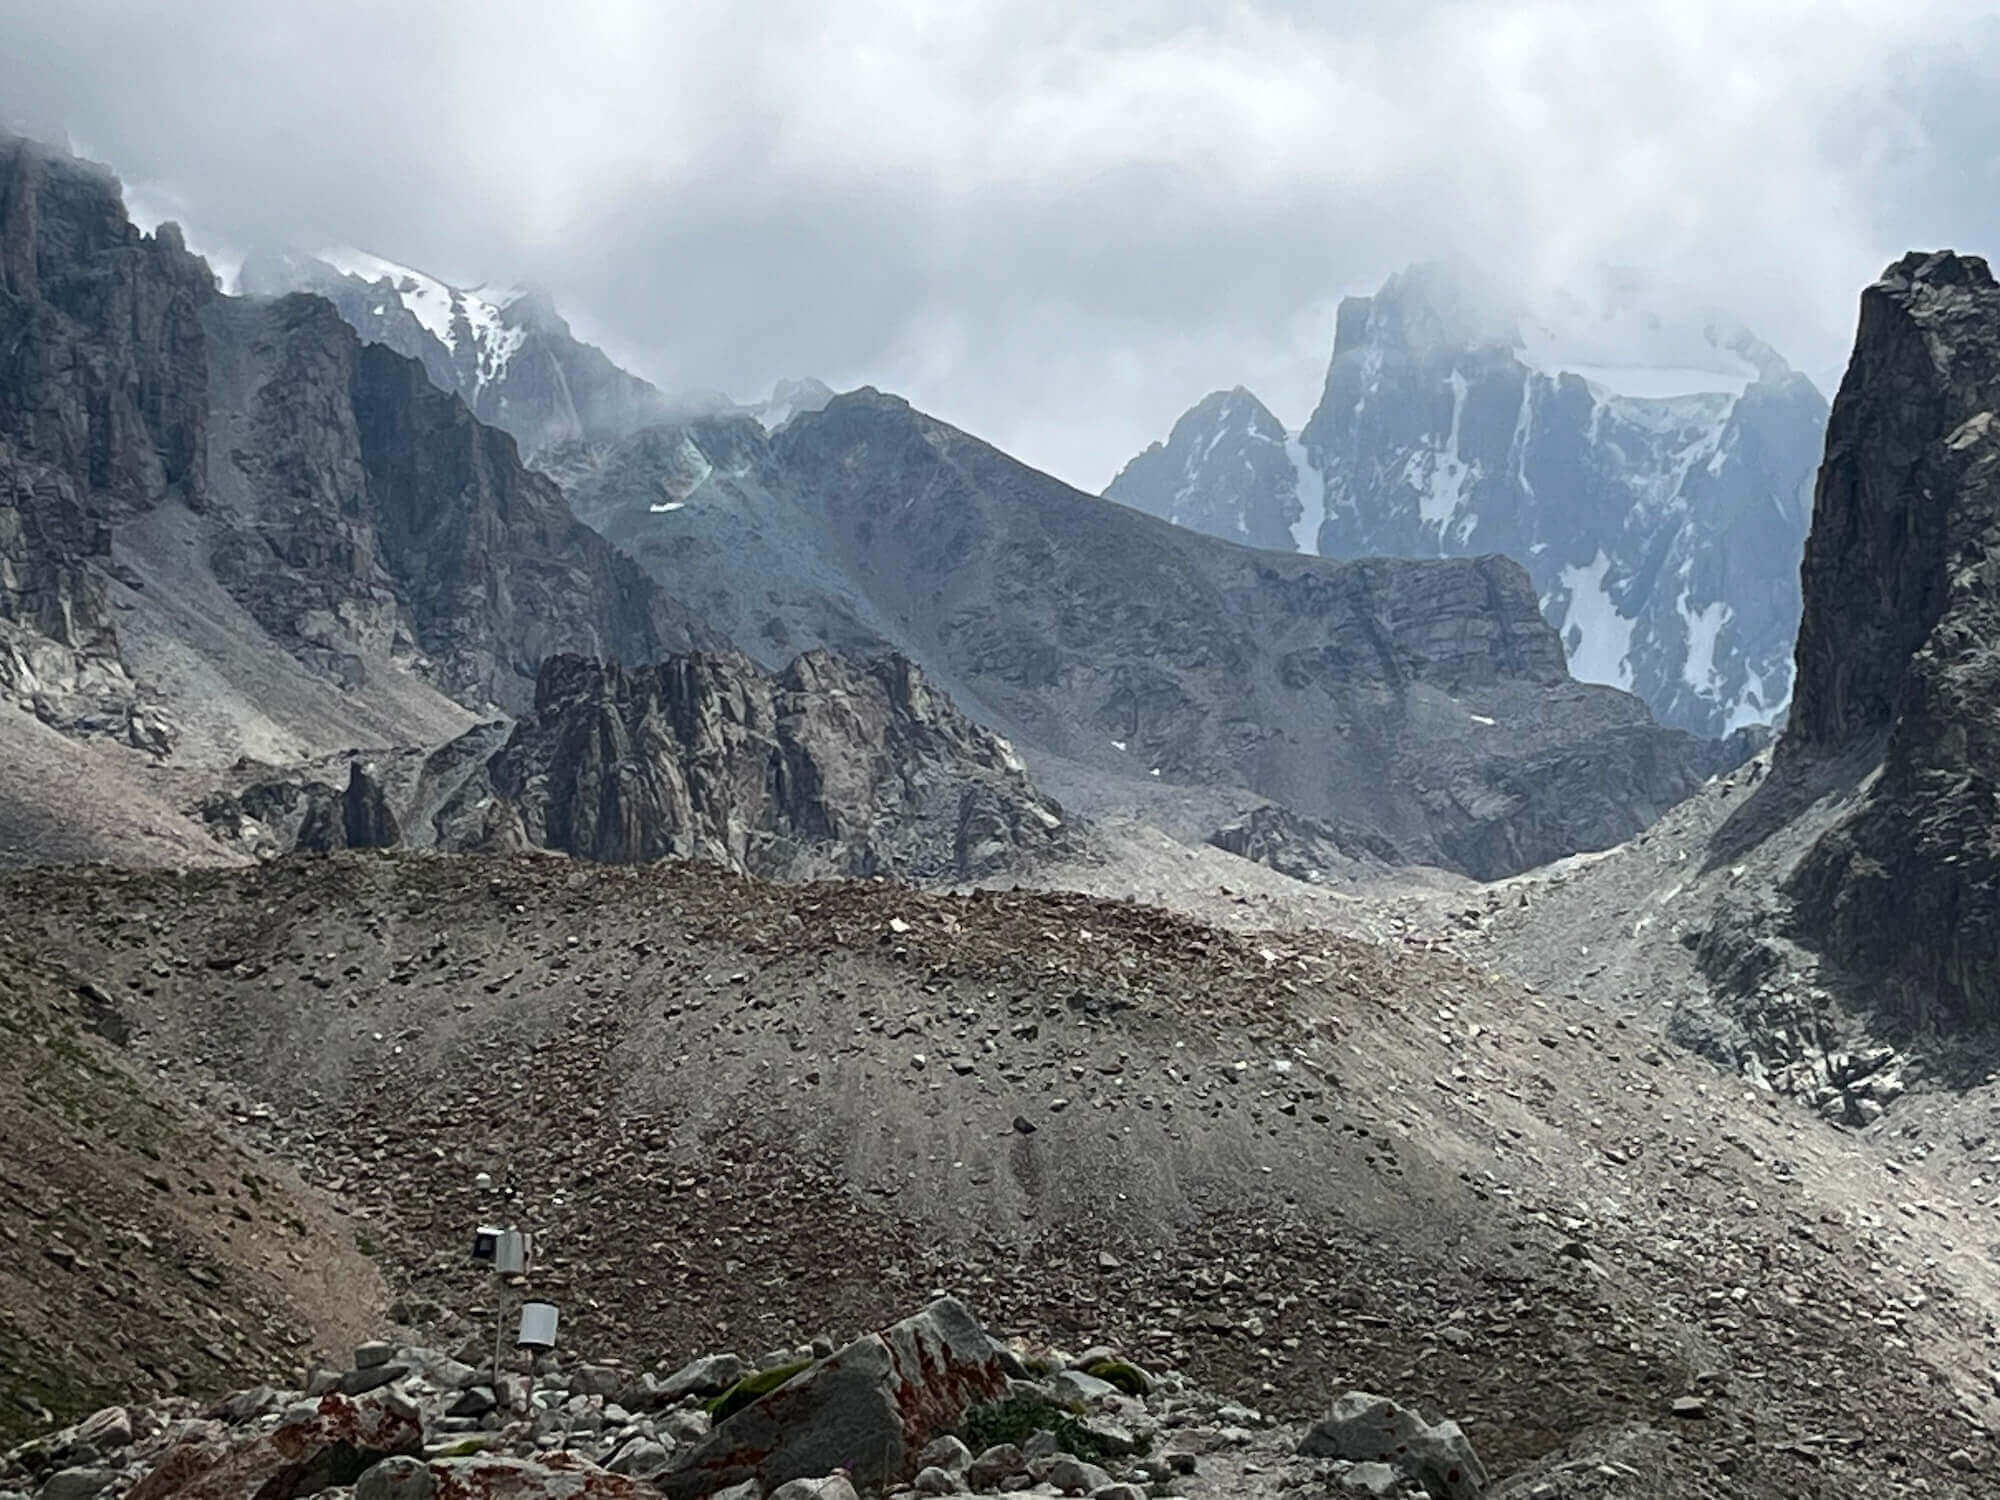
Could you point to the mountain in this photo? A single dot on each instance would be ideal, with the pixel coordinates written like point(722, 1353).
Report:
point(229, 527)
point(505, 350)
point(1230, 469)
point(1650, 469)
point(1423, 703)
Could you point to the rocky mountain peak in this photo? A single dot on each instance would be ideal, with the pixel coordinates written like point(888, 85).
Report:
point(1228, 468)
point(1648, 462)
point(1924, 375)
point(1428, 308)
point(1897, 646)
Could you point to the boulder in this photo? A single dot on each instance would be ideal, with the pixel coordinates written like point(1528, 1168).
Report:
point(1365, 1428)
point(869, 1409)
point(996, 1465)
point(1072, 1475)
point(946, 1453)
point(336, 1445)
point(106, 1430)
point(833, 1487)
point(398, 1478)
point(76, 1484)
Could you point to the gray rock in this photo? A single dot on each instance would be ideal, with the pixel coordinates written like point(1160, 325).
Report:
point(1365, 1428)
point(106, 1430)
point(931, 1480)
point(357, 1382)
point(947, 1453)
point(596, 1380)
point(687, 1426)
point(473, 1401)
point(76, 1484)
point(832, 1487)
point(244, 1406)
point(1072, 1475)
point(869, 1409)
point(376, 1352)
point(749, 1489)
point(995, 1465)
point(322, 1381)
point(641, 1458)
point(1118, 1492)
point(399, 1478)
point(1384, 1481)
point(1077, 1386)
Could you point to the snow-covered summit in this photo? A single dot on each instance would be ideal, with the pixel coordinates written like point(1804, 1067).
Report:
point(503, 348)
point(1650, 463)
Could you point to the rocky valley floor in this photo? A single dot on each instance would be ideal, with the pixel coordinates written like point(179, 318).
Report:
point(1284, 1161)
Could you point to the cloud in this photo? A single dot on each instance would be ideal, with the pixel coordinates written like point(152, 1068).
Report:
point(1055, 225)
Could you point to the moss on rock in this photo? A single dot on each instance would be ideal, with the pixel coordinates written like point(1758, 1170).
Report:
point(751, 1388)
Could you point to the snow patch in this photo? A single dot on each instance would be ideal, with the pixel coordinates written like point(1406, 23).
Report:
point(441, 309)
point(1704, 629)
point(429, 300)
point(1439, 476)
point(1596, 636)
point(667, 506)
point(1311, 488)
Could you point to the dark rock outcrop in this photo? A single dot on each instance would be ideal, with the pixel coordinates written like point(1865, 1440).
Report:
point(1899, 649)
point(102, 413)
point(831, 767)
point(1308, 849)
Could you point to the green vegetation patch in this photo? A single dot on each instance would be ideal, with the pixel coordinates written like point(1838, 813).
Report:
point(1018, 1418)
point(752, 1388)
point(1128, 1377)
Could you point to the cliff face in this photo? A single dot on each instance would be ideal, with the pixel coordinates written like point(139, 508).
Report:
point(102, 415)
point(361, 520)
point(829, 767)
point(1899, 647)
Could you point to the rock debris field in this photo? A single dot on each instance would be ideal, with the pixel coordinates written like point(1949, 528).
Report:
point(743, 1116)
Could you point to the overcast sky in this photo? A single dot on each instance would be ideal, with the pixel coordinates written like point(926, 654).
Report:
point(1056, 225)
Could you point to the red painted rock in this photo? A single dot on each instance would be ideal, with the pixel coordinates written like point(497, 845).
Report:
point(331, 1447)
point(868, 1410)
point(553, 1476)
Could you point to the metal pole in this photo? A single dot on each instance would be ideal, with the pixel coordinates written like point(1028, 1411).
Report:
point(499, 1326)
